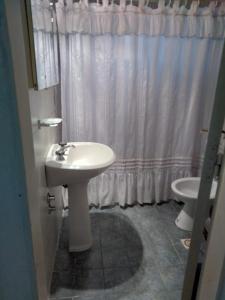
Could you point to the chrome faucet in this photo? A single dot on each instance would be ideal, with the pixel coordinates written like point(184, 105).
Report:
point(61, 152)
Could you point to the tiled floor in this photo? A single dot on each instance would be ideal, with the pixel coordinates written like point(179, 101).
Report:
point(136, 254)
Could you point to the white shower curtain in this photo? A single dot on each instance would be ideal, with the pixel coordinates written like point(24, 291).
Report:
point(145, 95)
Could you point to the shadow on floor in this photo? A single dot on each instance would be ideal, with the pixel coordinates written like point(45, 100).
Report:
point(114, 258)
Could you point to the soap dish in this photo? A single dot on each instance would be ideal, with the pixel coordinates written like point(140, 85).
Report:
point(49, 122)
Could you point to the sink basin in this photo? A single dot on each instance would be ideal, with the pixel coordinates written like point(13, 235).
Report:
point(186, 190)
point(81, 162)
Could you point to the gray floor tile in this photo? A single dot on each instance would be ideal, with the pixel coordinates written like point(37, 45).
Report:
point(148, 279)
point(90, 259)
point(146, 212)
point(175, 295)
point(162, 295)
point(67, 298)
point(159, 237)
point(181, 251)
point(109, 222)
point(177, 205)
point(96, 239)
point(120, 295)
point(115, 258)
point(95, 228)
point(65, 225)
point(62, 293)
point(63, 285)
point(64, 237)
point(116, 276)
point(95, 219)
point(145, 282)
point(174, 233)
point(130, 247)
point(166, 256)
point(64, 241)
point(96, 296)
point(113, 239)
point(135, 256)
point(63, 261)
point(173, 277)
point(81, 283)
point(133, 295)
point(89, 279)
point(168, 210)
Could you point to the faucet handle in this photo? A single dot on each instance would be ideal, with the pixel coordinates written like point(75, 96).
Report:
point(62, 144)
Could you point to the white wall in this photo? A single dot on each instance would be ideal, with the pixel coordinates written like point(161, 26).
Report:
point(44, 104)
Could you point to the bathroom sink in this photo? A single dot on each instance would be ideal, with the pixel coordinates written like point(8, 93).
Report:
point(186, 190)
point(73, 165)
point(81, 163)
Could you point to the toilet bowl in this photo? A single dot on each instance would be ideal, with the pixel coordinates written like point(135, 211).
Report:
point(186, 190)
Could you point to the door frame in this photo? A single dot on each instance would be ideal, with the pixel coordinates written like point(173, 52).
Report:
point(17, 266)
point(18, 43)
point(212, 273)
point(202, 208)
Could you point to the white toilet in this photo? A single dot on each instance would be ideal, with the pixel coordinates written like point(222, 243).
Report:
point(186, 190)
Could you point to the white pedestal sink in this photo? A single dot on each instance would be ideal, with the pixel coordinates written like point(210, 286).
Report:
point(80, 164)
point(186, 190)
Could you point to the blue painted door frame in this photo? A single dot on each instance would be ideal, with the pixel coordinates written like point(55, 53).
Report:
point(17, 272)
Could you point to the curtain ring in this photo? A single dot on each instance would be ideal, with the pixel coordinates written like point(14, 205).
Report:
point(189, 3)
point(213, 4)
point(176, 4)
point(216, 4)
point(122, 4)
point(141, 3)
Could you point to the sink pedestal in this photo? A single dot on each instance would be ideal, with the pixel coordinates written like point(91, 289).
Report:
point(80, 237)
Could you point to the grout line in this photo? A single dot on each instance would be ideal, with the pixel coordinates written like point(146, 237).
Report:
point(61, 298)
point(178, 254)
point(101, 252)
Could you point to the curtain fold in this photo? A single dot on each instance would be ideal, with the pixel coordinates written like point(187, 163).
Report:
point(145, 96)
point(96, 19)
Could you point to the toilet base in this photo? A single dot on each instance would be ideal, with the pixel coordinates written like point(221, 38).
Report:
point(184, 221)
